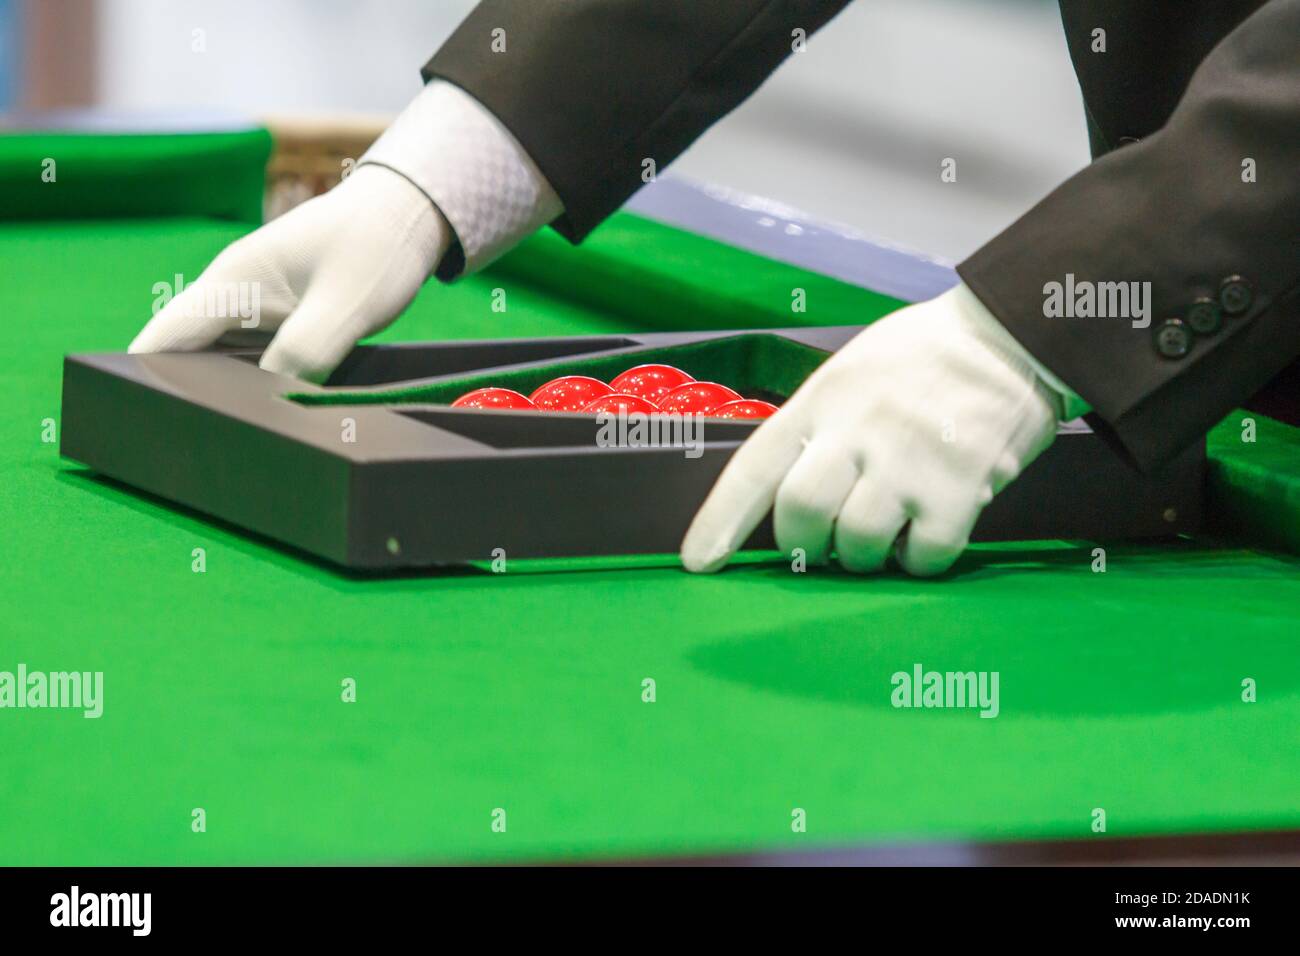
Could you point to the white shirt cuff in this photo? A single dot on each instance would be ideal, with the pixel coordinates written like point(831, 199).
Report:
point(472, 168)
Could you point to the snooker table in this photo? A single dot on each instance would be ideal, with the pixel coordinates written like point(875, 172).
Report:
point(478, 692)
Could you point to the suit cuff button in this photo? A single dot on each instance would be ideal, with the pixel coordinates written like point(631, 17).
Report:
point(1173, 339)
point(1204, 316)
point(1235, 295)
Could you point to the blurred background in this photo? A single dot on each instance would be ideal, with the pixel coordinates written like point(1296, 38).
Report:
point(850, 132)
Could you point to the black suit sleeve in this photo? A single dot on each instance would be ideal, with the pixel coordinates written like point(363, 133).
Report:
point(593, 88)
point(1174, 210)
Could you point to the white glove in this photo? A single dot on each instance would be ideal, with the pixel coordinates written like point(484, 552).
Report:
point(344, 265)
point(918, 421)
point(326, 274)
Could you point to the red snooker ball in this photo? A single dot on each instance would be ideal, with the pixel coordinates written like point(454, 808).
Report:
point(570, 393)
point(651, 382)
point(697, 398)
point(745, 408)
point(617, 402)
point(492, 398)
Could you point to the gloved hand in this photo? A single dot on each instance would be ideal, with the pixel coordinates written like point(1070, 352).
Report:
point(344, 265)
point(329, 272)
point(917, 422)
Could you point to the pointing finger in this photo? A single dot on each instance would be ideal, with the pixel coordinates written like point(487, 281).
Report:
point(743, 494)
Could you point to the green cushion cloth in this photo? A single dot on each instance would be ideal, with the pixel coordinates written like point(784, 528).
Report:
point(1253, 484)
point(218, 175)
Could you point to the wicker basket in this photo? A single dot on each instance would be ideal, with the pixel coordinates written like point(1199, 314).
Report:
point(312, 155)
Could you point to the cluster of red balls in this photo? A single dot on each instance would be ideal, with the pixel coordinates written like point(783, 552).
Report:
point(649, 389)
